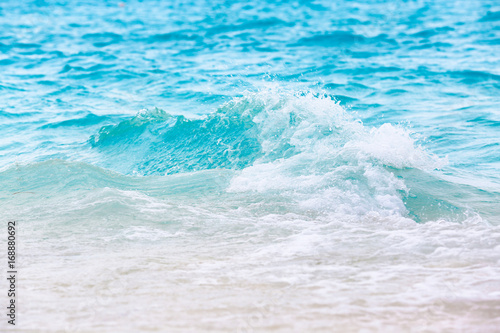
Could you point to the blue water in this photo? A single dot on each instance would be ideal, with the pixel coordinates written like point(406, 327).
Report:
point(259, 121)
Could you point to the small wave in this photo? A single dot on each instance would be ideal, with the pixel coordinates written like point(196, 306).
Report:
point(175, 36)
point(103, 39)
point(491, 17)
point(428, 33)
point(86, 120)
point(336, 38)
point(250, 25)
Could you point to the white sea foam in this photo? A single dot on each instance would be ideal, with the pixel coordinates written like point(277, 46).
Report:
point(338, 164)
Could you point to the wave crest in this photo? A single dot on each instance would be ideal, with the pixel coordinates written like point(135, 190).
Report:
point(257, 128)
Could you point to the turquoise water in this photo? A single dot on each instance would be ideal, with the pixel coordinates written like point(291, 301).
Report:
point(263, 166)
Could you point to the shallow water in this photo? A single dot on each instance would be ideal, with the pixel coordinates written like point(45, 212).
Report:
point(264, 166)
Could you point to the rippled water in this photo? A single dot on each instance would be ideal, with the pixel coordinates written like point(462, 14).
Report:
point(264, 166)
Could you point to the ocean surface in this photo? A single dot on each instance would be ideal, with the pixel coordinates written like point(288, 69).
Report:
point(252, 166)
